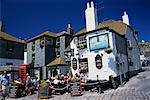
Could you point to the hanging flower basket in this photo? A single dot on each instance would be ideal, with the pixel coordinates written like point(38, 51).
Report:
point(130, 47)
point(108, 50)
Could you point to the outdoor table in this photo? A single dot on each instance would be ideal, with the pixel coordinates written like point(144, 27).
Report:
point(13, 90)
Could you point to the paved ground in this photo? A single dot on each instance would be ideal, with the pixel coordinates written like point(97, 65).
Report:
point(138, 88)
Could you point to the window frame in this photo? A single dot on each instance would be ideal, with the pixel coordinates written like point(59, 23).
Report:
point(10, 46)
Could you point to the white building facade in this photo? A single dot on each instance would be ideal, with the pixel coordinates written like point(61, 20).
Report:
point(111, 49)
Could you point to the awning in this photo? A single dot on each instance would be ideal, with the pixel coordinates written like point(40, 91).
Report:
point(9, 68)
point(58, 61)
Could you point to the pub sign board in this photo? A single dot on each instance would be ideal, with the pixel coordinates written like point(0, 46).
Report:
point(76, 89)
point(43, 91)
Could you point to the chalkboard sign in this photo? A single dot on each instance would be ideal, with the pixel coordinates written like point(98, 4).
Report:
point(43, 91)
point(76, 89)
point(13, 91)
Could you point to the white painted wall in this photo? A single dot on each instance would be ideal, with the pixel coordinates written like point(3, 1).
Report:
point(73, 45)
point(15, 62)
point(25, 57)
point(108, 60)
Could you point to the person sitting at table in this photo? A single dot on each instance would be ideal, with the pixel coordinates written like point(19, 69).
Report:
point(28, 84)
point(35, 83)
point(56, 81)
point(75, 78)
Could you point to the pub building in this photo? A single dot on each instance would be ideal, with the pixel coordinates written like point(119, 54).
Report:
point(106, 49)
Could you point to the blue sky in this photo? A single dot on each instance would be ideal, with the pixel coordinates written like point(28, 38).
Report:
point(27, 18)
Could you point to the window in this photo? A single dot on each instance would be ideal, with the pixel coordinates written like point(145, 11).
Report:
point(57, 51)
point(49, 41)
point(33, 57)
point(74, 63)
point(9, 63)
point(129, 43)
point(98, 61)
point(42, 42)
point(10, 46)
point(72, 52)
point(82, 43)
point(33, 45)
point(83, 66)
point(58, 42)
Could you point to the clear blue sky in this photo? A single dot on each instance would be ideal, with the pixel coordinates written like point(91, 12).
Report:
point(27, 18)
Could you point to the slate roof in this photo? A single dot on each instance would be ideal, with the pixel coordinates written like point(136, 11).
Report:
point(8, 37)
point(144, 43)
point(117, 26)
point(42, 34)
point(9, 68)
point(49, 34)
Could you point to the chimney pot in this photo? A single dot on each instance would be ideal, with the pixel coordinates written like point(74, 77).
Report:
point(88, 5)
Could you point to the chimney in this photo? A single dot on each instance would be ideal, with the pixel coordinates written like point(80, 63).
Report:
point(91, 17)
point(125, 18)
point(69, 29)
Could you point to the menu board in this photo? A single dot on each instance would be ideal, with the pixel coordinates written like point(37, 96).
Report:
point(43, 91)
point(75, 88)
point(99, 42)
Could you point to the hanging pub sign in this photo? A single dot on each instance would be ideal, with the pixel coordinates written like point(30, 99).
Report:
point(74, 63)
point(99, 42)
point(98, 61)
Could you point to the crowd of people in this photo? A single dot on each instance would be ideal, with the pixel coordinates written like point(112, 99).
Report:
point(30, 84)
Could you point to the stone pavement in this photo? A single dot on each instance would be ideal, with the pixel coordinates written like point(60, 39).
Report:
point(138, 88)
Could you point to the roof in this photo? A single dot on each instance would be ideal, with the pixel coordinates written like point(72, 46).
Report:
point(62, 33)
point(144, 43)
point(117, 26)
point(48, 34)
point(42, 34)
point(57, 61)
point(8, 37)
point(9, 68)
